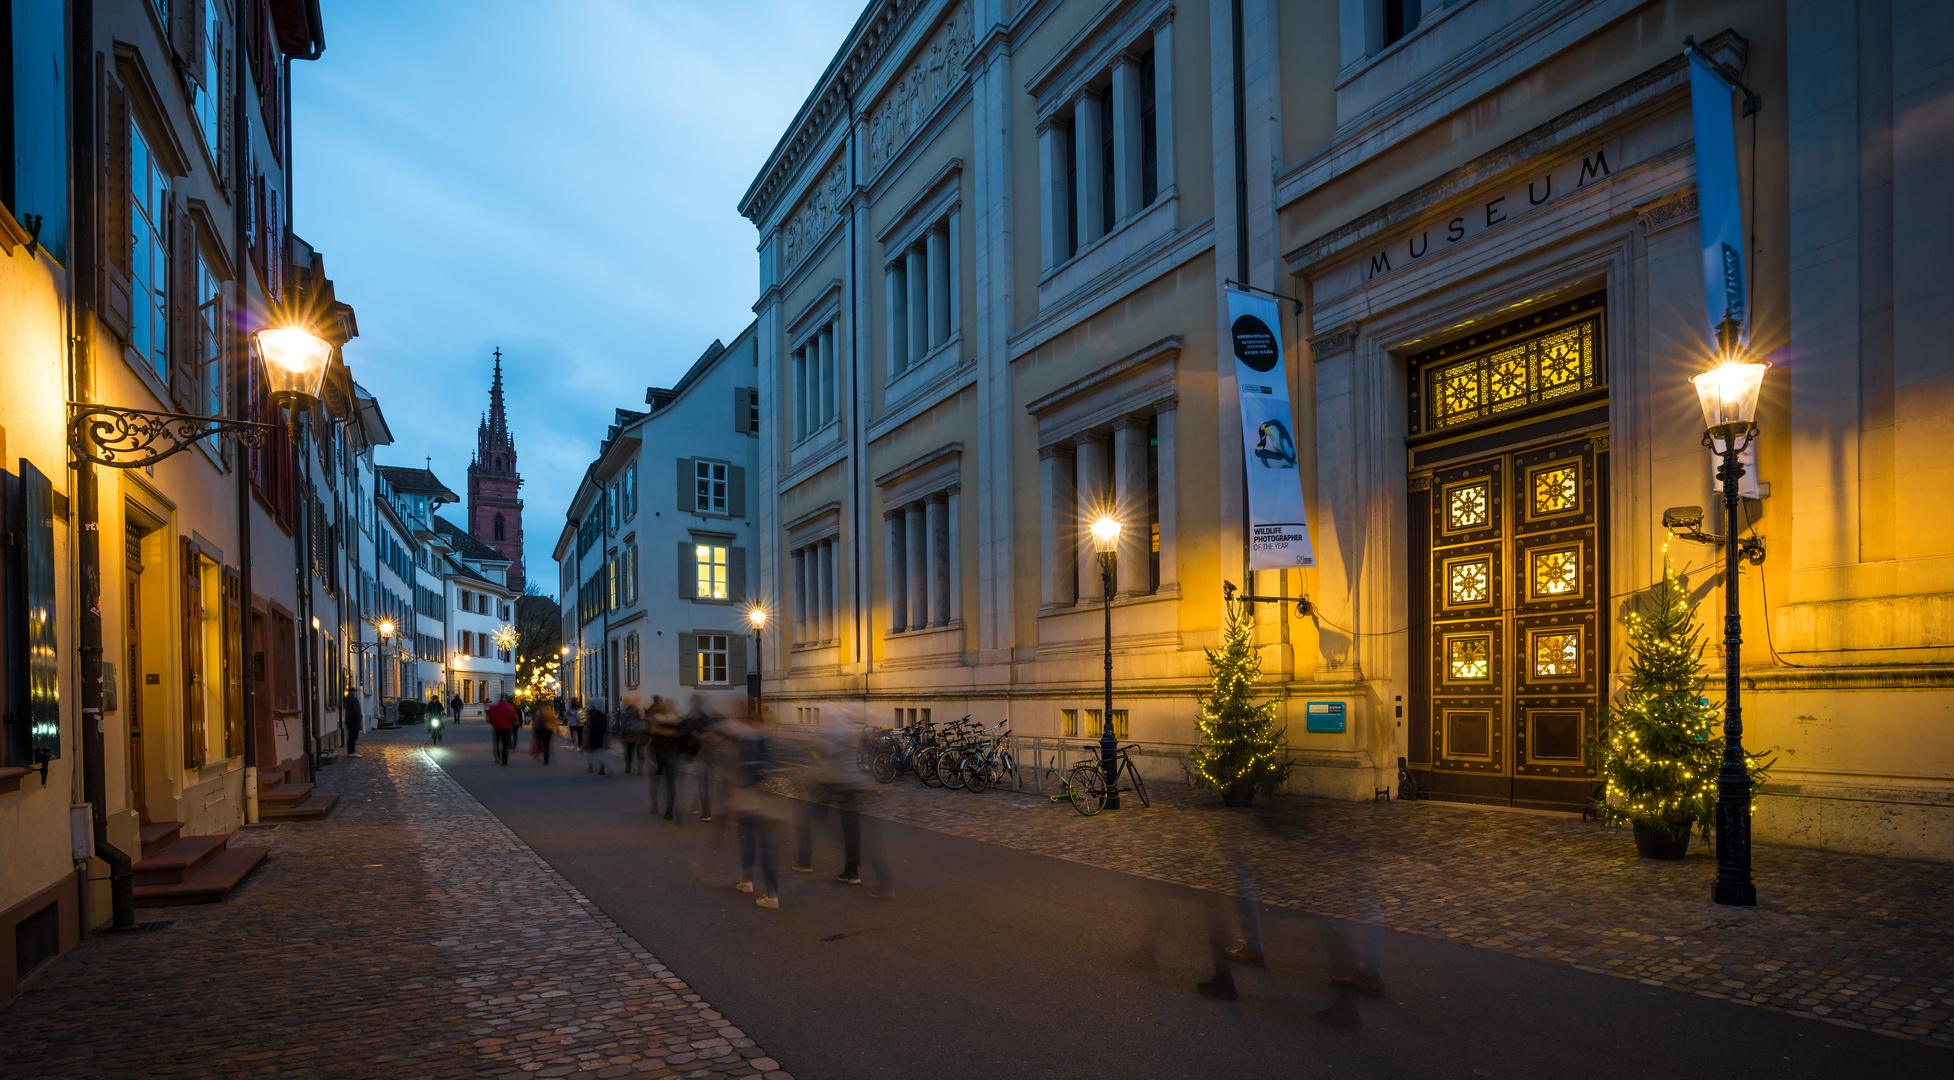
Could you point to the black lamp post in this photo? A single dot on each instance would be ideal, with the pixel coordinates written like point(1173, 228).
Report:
point(1105, 543)
point(757, 617)
point(1728, 394)
point(385, 628)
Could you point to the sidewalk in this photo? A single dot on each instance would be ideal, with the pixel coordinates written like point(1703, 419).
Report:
point(410, 934)
point(1853, 940)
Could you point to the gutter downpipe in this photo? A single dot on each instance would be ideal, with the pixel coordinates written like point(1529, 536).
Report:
point(1241, 242)
point(240, 407)
point(87, 510)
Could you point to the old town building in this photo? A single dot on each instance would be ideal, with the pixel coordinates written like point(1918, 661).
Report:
point(654, 575)
point(996, 245)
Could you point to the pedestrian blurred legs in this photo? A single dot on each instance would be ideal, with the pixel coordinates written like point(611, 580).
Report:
point(756, 846)
point(810, 812)
point(352, 742)
point(633, 757)
point(1361, 956)
point(705, 791)
point(665, 771)
point(543, 743)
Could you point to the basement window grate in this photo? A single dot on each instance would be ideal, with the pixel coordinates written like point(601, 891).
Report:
point(37, 939)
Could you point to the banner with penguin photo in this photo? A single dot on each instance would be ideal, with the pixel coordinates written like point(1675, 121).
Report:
point(1278, 532)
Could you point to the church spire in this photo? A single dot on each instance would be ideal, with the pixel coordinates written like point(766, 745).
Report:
point(497, 424)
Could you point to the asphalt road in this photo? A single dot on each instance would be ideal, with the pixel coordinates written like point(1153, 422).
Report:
point(992, 962)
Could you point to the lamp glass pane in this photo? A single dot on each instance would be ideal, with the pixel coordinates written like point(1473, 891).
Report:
point(1728, 394)
point(295, 361)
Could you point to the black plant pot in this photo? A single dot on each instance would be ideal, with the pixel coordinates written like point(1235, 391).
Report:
point(1241, 795)
point(1656, 843)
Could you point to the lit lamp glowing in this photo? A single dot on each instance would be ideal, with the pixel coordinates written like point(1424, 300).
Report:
point(756, 617)
point(1728, 394)
point(295, 367)
point(1105, 543)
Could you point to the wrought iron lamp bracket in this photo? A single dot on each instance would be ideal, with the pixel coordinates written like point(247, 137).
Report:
point(135, 438)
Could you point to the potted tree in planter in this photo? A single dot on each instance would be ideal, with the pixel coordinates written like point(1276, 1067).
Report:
point(1661, 742)
point(1241, 747)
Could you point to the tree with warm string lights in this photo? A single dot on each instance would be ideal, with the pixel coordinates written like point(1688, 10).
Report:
point(1241, 747)
point(1662, 740)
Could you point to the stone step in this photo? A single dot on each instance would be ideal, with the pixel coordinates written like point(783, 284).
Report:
point(284, 794)
point(210, 884)
point(315, 806)
point(158, 836)
point(179, 860)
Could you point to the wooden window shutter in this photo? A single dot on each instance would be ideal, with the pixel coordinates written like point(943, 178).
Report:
point(688, 493)
point(187, 38)
point(233, 663)
point(742, 409)
point(115, 302)
point(736, 574)
point(736, 659)
point(688, 659)
point(186, 384)
point(735, 491)
point(688, 571)
point(194, 751)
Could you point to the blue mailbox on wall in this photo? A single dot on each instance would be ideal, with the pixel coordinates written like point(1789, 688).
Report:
point(1323, 717)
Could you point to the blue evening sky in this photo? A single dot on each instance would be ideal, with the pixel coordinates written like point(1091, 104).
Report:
point(557, 179)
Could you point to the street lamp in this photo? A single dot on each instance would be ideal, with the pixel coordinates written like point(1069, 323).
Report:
point(385, 628)
point(757, 617)
point(1728, 394)
point(295, 368)
point(1105, 543)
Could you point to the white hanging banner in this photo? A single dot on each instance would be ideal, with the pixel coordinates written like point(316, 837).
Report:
point(1278, 533)
point(1719, 212)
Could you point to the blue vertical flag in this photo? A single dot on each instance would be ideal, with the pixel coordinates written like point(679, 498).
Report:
point(1278, 533)
point(1719, 211)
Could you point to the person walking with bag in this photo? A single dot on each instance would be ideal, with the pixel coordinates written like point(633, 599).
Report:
point(503, 719)
point(352, 719)
point(542, 726)
point(631, 733)
point(669, 735)
point(597, 740)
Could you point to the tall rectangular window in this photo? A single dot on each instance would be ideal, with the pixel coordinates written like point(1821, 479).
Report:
point(1149, 137)
point(208, 102)
point(1070, 141)
point(712, 659)
point(149, 226)
point(1107, 169)
point(710, 490)
point(210, 337)
point(631, 574)
point(712, 560)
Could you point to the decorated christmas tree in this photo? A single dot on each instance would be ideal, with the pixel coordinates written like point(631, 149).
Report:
point(1241, 747)
point(1662, 742)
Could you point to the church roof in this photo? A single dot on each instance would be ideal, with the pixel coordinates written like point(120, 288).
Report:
point(465, 545)
point(409, 481)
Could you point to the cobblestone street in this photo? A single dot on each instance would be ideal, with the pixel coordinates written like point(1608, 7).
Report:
point(410, 934)
point(1851, 940)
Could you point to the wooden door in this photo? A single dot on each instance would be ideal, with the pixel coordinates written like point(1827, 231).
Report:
point(1514, 646)
point(132, 694)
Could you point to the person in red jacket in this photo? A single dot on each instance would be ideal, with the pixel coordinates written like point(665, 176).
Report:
point(502, 717)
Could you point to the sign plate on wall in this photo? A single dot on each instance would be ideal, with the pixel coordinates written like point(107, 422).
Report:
point(1323, 716)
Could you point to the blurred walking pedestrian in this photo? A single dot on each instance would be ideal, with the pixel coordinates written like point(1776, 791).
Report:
point(1235, 850)
point(503, 719)
point(542, 727)
point(353, 719)
point(597, 741)
point(838, 783)
point(670, 736)
point(574, 718)
point(454, 707)
point(752, 809)
point(711, 756)
point(631, 735)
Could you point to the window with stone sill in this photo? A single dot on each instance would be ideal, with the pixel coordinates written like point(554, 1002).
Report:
point(922, 291)
point(817, 390)
point(1106, 153)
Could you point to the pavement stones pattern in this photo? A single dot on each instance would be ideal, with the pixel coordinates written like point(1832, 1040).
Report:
point(1853, 940)
point(410, 934)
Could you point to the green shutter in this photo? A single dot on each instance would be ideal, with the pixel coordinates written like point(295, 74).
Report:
point(688, 571)
point(735, 491)
point(688, 496)
point(42, 616)
point(736, 659)
point(688, 659)
point(736, 574)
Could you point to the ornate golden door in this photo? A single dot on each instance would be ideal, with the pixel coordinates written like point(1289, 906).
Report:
point(1508, 549)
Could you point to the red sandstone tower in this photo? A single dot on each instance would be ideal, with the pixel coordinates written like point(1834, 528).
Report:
point(494, 502)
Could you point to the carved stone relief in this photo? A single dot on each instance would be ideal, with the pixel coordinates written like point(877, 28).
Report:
point(916, 92)
point(817, 213)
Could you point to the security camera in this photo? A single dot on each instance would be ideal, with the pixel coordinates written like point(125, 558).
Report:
point(1682, 517)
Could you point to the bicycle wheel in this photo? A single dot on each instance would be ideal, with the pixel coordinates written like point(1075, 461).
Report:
point(883, 768)
point(1139, 785)
point(977, 777)
point(1088, 789)
point(929, 766)
point(955, 770)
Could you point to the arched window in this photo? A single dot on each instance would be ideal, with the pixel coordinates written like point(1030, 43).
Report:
point(498, 527)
